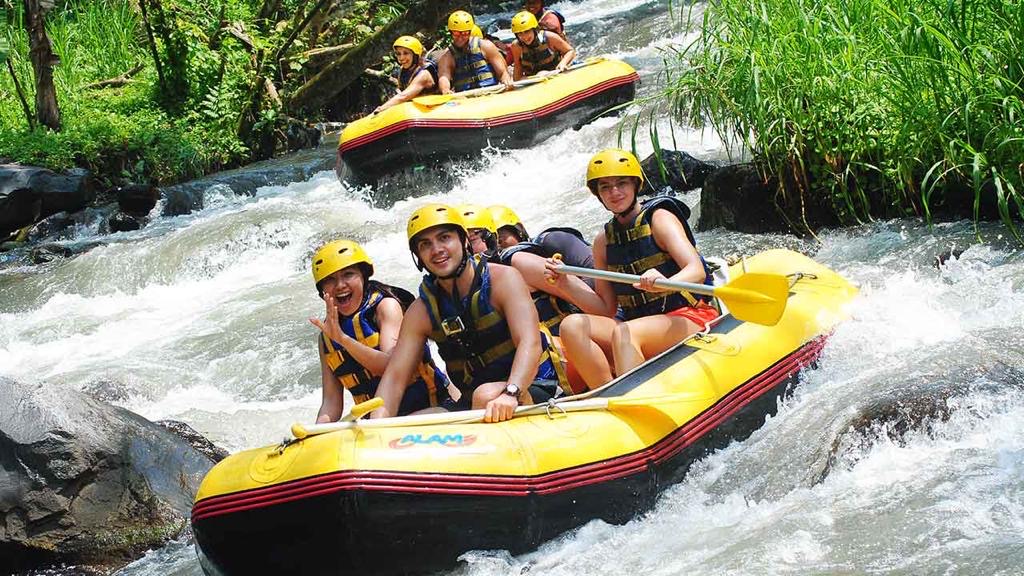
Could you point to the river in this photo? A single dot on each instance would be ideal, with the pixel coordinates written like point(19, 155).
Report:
point(203, 318)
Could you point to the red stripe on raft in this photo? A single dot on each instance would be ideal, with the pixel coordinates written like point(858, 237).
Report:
point(545, 110)
point(553, 482)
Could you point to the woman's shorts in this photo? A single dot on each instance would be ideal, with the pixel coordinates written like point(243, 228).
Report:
point(700, 314)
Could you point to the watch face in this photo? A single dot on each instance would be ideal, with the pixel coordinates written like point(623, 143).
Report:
point(512, 390)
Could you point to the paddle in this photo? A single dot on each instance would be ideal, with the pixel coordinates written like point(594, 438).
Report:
point(752, 297)
point(432, 100)
point(357, 412)
point(567, 404)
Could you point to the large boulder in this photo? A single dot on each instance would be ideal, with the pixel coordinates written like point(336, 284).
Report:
point(86, 483)
point(737, 197)
point(22, 186)
point(677, 171)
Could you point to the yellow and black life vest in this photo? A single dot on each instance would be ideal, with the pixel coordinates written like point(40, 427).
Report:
point(538, 56)
point(632, 250)
point(473, 337)
point(363, 327)
point(471, 67)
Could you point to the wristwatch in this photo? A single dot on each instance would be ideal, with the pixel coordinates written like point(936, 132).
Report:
point(512, 390)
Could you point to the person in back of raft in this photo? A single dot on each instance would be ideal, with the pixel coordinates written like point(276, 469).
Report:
point(470, 62)
point(652, 241)
point(537, 51)
point(483, 235)
point(482, 319)
point(360, 330)
point(550, 20)
point(417, 75)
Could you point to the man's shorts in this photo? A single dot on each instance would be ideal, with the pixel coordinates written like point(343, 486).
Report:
point(700, 314)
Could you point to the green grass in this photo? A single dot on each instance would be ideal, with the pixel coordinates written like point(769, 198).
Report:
point(883, 105)
point(122, 132)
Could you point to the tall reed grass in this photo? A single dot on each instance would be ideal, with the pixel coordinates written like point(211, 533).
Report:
point(886, 106)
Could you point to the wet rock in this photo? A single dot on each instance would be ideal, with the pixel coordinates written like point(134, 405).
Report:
point(201, 443)
point(941, 259)
point(300, 135)
point(19, 207)
point(181, 199)
point(49, 252)
point(21, 186)
point(137, 199)
point(121, 222)
point(86, 483)
point(682, 172)
point(737, 198)
point(915, 406)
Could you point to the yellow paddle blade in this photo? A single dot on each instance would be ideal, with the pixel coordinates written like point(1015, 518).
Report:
point(755, 297)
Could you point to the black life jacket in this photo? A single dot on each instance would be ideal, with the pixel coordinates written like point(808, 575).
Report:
point(632, 250)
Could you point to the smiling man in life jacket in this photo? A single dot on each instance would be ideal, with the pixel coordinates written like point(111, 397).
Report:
point(482, 319)
point(470, 62)
point(550, 20)
point(537, 51)
point(417, 76)
point(358, 332)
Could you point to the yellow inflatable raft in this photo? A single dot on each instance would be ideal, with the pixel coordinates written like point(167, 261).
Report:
point(441, 127)
point(409, 495)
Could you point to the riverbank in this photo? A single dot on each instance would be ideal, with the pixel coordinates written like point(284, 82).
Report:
point(867, 109)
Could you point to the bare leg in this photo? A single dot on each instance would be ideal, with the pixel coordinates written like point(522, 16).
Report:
point(642, 338)
point(588, 346)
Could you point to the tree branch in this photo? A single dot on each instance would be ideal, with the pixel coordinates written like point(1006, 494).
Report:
point(116, 81)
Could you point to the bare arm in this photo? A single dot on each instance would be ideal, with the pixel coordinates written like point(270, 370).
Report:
point(670, 236)
point(564, 48)
point(517, 57)
point(333, 398)
point(497, 61)
point(422, 81)
point(405, 356)
point(445, 72)
point(510, 294)
point(566, 286)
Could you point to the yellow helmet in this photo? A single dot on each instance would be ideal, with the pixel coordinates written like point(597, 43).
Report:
point(433, 215)
point(410, 43)
point(523, 21)
point(503, 216)
point(338, 255)
point(475, 216)
point(460, 21)
point(476, 31)
point(613, 162)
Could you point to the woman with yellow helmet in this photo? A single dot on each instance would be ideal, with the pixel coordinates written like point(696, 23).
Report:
point(536, 51)
point(651, 240)
point(359, 331)
point(417, 75)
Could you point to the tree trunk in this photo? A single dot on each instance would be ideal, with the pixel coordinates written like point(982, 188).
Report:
point(322, 88)
point(43, 60)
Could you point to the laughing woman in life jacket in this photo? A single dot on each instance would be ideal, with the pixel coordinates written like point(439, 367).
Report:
point(417, 76)
point(359, 331)
point(535, 50)
point(653, 241)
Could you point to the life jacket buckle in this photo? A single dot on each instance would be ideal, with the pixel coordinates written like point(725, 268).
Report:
point(453, 326)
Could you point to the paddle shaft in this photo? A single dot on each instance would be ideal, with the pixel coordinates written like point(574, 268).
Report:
point(633, 279)
point(476, 416)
